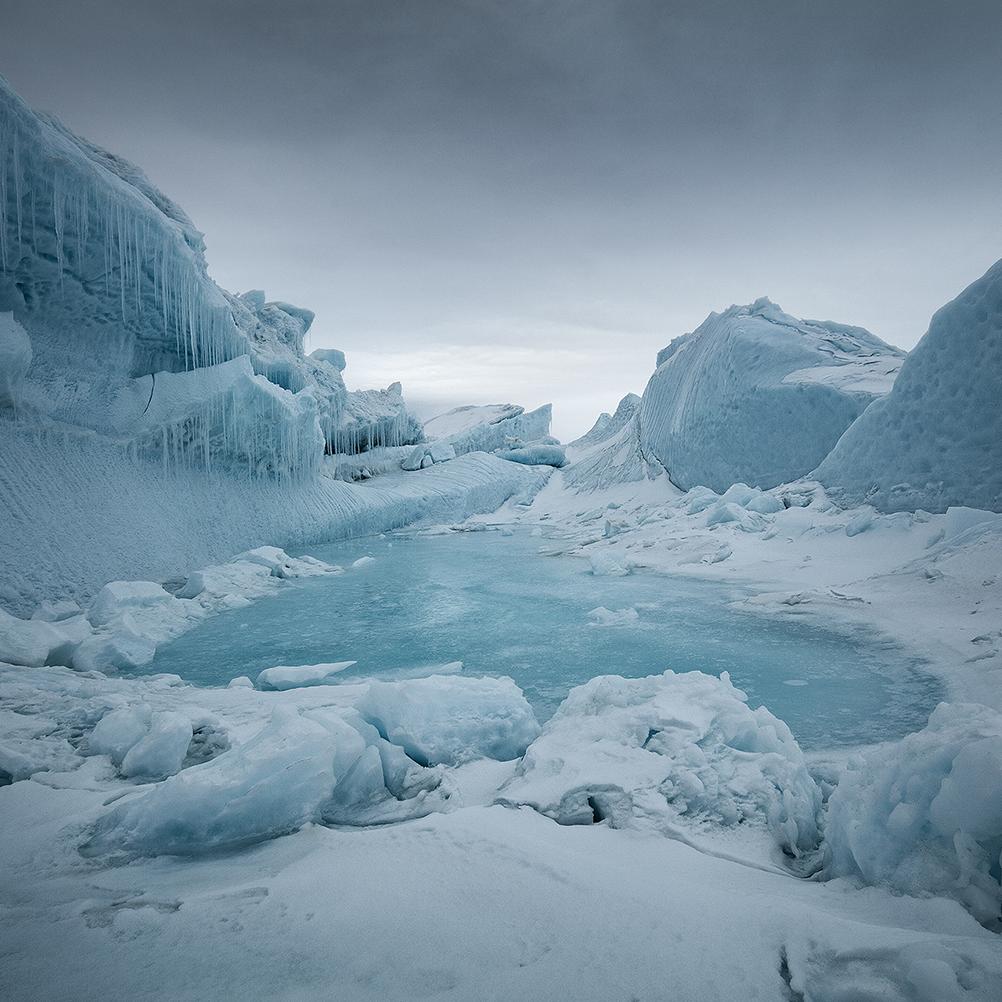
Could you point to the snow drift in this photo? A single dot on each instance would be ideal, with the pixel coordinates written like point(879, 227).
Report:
point(756, 395)
point(936, 439)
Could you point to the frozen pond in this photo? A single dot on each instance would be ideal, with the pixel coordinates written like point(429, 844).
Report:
point(494, 603)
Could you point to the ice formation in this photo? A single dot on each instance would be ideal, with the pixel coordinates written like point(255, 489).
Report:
point(936, 439)
point(669, 749)
point(607, 425)
point(449, 719)
point(490, 427)
point(283, 677)
point(925, 816)
point(756, 395)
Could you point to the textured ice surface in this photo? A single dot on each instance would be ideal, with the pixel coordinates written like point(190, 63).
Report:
point(936, 439)
point(669, 747)
point(15, 357)
point(756, 395)
point(925, 816)
point(492, 602)
point(607, 425)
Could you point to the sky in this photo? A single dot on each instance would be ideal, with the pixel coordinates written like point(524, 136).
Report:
point(523, 200)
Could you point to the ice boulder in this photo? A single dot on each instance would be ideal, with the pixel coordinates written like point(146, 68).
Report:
point(161, 750)
point(669, 749)
point(15, 357)
point(427, 454)
point(28, 642)
point(449, 719)
point(756, 395)
point(118, 731)
point(924, 816)
point(283, 677)
point(332, 356)
point(936, 439)
point(270, 785)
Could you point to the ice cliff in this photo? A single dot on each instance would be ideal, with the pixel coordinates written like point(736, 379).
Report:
point(936, 439)
point(105, 285)
point(757, 396)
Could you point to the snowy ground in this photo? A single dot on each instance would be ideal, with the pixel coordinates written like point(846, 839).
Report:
point(463, 894)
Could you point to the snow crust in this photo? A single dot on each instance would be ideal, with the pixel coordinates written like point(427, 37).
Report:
point(756, 395)
point(936, 439)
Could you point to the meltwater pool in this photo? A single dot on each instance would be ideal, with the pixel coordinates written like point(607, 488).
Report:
point(496, 604)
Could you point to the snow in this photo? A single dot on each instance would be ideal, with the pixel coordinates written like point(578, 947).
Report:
point(936, 439)
point(283, 677)
point(449, 719)
point(669, 749)
point(925, 816)
point(739, 397)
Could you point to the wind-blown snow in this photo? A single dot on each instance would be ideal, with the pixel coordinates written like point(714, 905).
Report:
point(936, 439)
point(755, 395)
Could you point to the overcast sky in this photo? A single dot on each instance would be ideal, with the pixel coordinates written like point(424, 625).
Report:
point(497, 200)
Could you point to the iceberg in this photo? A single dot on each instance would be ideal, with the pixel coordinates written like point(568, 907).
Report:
point(936, 439)
point(756, 395)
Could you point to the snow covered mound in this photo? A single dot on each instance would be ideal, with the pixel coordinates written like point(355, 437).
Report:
point(936, 439)
point(666, 749)
point(924, 816)
point(756, 395)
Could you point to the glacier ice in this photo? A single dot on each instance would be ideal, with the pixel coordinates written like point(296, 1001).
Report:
point(535, 454)
point(449, 719)
point(756, 395)
point(231, 801)
point(667, 749)
point(936, 439)
point(283, 677)
point(924, 815)
point(607, 425)
point(15, 357)
point(489, 427)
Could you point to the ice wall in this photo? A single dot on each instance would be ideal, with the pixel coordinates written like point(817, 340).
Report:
point(489, 427)
point(936, 439)
point(106, 278)
point(757, 396)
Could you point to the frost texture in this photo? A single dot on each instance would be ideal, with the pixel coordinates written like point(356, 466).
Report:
point(666, 749)
point(936, 439)
point(758, 396)
point(924, 816)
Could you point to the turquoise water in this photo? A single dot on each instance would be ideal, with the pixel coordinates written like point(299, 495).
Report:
point(496, 604)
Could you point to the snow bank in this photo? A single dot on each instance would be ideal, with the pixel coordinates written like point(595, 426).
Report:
point(924, 816)
point(743, 398)
point(936, 439)
point(448, 719)
point(667, 749)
